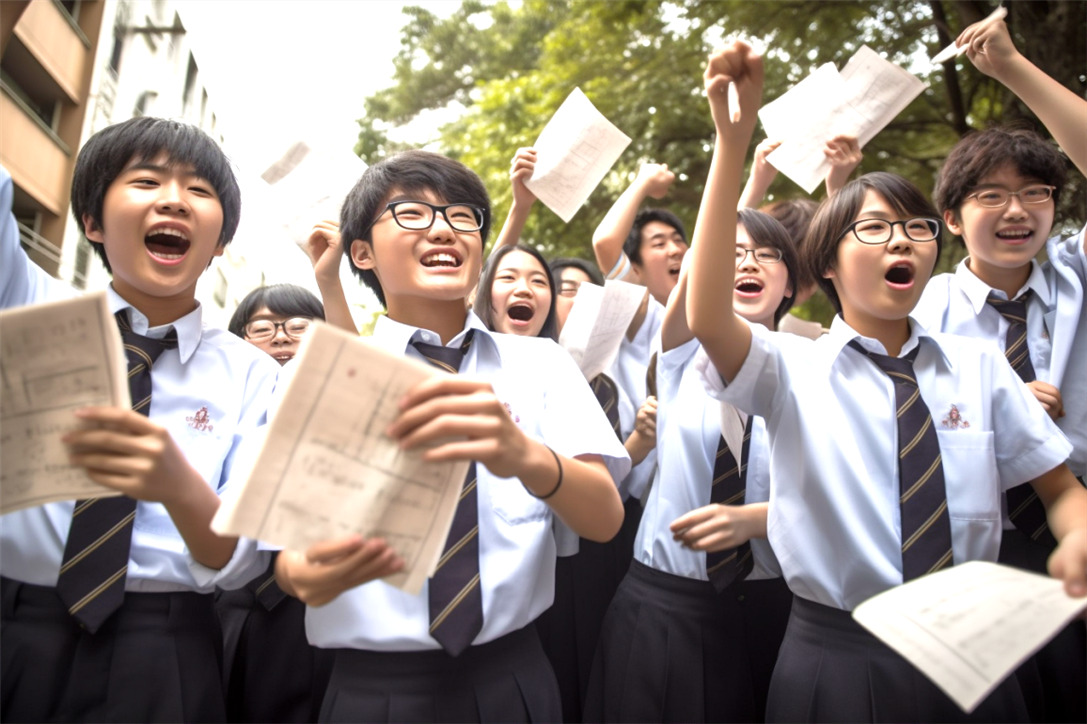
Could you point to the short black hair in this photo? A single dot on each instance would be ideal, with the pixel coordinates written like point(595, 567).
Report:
point(819, 252)
point(286, 300)
point(980, 153)
point(795, 215)
point(632, 247)
point(412, 171)
point(108, 152)
point(591, 270)
point(766, 231)
point(482, 304)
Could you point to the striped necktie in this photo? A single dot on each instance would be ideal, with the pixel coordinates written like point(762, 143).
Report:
point(926, 525)
point(95, 561)
point(607, 394)
point(1025, 510)
point(455, 591)
point(729, 488)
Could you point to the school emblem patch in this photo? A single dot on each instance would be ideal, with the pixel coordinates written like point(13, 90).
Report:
point(954, 421)
point(200, 421)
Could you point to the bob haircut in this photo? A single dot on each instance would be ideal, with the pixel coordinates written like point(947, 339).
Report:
point(482, 305)
point(284, 300)
point(632, 247)
point(795, 215)
point(108, 152)
point(407, 172)
point(567, 262)
point(819, 252)
point(766, 231)
point(981, 153)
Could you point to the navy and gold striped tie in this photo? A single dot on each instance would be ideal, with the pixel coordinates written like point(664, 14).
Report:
point(926, 525)
point(455, 591)
point(95, 561)
point(607, 394)
point(730, 488)
point(1025, 510)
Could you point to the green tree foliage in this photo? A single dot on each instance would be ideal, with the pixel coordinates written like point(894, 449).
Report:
point(506, 68)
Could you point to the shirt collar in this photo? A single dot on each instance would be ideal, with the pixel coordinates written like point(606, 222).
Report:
point(400, 336)
point(977, 291)
point(841, 334)
point(189, 328)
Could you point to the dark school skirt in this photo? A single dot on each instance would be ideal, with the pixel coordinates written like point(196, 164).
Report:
point(272, 673)
point(157, 659)
point(505, 680)
point(584, 586)
point(830, 669)
point(1054, 680)
point(672, 650)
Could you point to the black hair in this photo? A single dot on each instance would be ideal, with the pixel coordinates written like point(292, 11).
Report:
point(632, 247)
point(819, 252)
point(482, 304)
point(766, 231)
point(590, 269)
point(408, 172)
point(108, 152)
point(285, 300)
point(795, 215)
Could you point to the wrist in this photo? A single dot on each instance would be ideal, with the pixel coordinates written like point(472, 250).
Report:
point(546, 473)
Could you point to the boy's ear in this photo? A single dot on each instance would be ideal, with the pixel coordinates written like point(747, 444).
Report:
point(92, 230)
point(362, 254)
point(952, 222)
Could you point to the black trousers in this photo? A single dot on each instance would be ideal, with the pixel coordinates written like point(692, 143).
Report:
point(157, 659)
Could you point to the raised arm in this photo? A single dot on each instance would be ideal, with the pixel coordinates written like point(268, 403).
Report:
point(712, 272)
point(652, 181)
point(761, 176)
point(521, 168)
point(844, 154)
point(989, 47)
point(325, 252)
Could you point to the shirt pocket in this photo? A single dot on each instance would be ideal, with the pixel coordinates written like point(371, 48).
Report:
point(970, 474)
point(513, 503)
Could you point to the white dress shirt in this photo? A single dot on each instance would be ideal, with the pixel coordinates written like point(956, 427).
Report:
point(834, 520)
point(549, 399)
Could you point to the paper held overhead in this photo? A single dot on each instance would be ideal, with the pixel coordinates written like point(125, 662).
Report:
point(954, 51)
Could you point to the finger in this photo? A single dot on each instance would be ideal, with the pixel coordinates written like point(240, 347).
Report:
point(692, 518)
point(330, 550)
point(101, 440)
point(480, 406)
point(447, 429)
point(118, 418)
point(438, 385)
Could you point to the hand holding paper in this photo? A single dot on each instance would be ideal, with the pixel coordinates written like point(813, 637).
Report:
point(956, 49)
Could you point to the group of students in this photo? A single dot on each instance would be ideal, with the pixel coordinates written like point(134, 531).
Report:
point(680, 539)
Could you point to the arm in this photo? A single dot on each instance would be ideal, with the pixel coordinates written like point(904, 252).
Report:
point(674, 329)
point(712, 271)
point(644, 437)
point(844, 154)
point(653, 181)
point(762, 175)
point(325, 252)
point(1066, 511)
point(524, 163)
point(989, 47)
point(129, 453)
point(464, 420)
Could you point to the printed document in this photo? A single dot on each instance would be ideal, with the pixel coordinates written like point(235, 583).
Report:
point(326, 468)
point(597, 322)
point(54, 359)
point(969, 626)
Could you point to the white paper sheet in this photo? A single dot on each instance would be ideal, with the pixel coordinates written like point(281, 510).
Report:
point(327, 470)
point(969, 626)
point(860, 101)
point(575, 150)
point(54, 359)
point(954, 51)
point(597, 322)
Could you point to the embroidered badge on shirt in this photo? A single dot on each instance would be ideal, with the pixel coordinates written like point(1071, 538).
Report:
point(954, 421)
point(200, 421)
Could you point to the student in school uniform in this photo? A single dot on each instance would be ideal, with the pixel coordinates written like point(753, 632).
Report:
point(838, 521)
point(675, 644)
point(998, 191)
point(107, 603)
point(520, 410)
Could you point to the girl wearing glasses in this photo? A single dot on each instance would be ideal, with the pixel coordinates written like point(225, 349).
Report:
point(275, 317)
point(998, 191)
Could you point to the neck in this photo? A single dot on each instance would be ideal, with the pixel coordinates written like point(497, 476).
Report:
point(1009, 281)
point(158, 310)
point(891, 333)
point(445, 318)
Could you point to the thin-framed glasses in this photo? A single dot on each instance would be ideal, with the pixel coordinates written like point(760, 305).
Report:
point(260, 330)
point(762, 254)
point(880, 231)
point(420, 215)
point(995, 198)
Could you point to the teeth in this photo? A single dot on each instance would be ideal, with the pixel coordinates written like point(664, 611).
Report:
point(1013, 234)
point(170, 231)
point(435, 259)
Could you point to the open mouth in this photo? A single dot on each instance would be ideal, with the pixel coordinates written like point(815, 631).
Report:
point(167, 244)
point(674, 271)
point(283, 357)
point(1015, 236)
point(899, 275)
point(749, 287)
point(440, 259)
point(520, 313)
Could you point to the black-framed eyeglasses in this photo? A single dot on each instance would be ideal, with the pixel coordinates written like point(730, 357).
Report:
point(260, 330)
point(420, 215)
point(880, 231)
point(996, 198)
point(762, 254)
